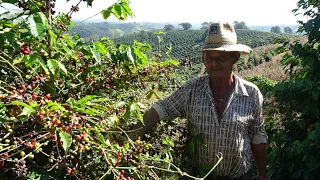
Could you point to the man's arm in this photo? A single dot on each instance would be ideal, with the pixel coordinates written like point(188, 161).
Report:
point(260, 153)
point(259, 138)
point(166, 109)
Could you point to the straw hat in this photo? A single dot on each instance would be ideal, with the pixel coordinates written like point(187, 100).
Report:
point(223, 37)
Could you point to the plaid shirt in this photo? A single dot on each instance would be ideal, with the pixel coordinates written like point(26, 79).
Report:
point(242, 122)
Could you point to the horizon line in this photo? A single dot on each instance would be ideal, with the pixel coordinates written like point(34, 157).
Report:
point(168, 22)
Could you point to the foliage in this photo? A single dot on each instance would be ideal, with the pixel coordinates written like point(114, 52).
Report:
point(205, 25)
point(287, 30)
point(240, 25)
point(94, 31)
point(275, 29)
point(185, 26)
point(168, 27)
point(265, 85)
point(294, 135)
point(67, 107)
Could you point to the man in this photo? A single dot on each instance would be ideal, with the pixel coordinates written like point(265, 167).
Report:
point(223, 108)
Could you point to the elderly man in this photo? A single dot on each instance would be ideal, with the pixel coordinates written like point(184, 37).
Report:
point(223, 108)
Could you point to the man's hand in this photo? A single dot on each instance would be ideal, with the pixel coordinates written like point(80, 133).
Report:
point(150, 118)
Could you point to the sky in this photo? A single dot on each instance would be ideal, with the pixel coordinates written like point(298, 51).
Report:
point(252, 12)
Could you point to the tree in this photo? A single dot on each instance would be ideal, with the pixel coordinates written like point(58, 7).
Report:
point(288, 30)
point(205, 25)
point(186, 25)
point(240, 25)
point(275, 29)
point(168, 27)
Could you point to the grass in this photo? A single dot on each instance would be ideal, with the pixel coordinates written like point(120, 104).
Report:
point(272, 70)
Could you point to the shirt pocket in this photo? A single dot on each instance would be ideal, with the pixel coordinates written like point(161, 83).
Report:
point(242, 123)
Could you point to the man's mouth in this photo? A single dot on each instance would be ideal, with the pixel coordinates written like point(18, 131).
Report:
point(217, 68)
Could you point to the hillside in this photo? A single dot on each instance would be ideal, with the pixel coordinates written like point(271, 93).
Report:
point(186, 44)
point(96, 30)
point(272, 70)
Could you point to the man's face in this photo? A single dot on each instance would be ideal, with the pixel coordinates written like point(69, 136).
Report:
point(219, 63)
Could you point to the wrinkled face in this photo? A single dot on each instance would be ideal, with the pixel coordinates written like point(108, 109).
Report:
point(219, 63)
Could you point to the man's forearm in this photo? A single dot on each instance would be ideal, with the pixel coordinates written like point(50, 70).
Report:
point(150, 118)
point(260, 155)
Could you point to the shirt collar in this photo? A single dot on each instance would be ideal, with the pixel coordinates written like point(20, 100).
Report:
point(239, 88)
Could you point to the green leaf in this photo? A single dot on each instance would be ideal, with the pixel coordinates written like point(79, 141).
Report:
point(120, 104)
point(52, 65)
point(13, 14)
point(168, 142)
point(43, 19)
point(26, 112)
point(129, 54)
point(71, 101)
point(141, 105)
point(149, 94)
point(85, 99)
point(66, 49)
point(117, 10)
point(101, 48)
point(106, 13)
point(95, 54)
point(53, 106)
point(139, 115)
point(134, 107)
point(62, 67)
point(127, 9)
point(66, 140)
point(100, 137)
point(100, 100)
point(169, 62)
point(21, 104)
point(126, 146)
point(127, 114)
point(42, 64)
point(30, 60)
point(10, 1)
point(113, 119)
point(11, 38)
point(173, 62)
point(141, 56)
point(89, 2)
point(86, 111)
point(33, 60)
point(36, 27)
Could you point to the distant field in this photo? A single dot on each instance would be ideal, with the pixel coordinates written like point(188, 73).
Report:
point(186, 44)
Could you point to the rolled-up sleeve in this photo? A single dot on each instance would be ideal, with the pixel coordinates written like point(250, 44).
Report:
point(257, 130)
point(173, 106)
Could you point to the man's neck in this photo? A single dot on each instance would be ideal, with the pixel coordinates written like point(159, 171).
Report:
point(221, 82)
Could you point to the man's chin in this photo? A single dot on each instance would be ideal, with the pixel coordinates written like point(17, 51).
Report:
point(217, 74)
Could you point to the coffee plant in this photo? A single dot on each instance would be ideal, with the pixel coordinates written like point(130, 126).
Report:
point(67, 107)
point(293, 118)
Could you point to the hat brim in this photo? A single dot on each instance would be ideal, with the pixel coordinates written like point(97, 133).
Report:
point(243, 49)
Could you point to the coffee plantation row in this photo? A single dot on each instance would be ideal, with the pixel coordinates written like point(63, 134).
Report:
point(187, 43)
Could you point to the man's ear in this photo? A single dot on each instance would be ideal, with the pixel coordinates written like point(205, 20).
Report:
point(203, 57)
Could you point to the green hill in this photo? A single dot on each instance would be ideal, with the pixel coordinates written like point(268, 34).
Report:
point(186, 44)
point(96, 30)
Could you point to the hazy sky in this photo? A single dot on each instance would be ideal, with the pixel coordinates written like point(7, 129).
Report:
point(253, 12)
